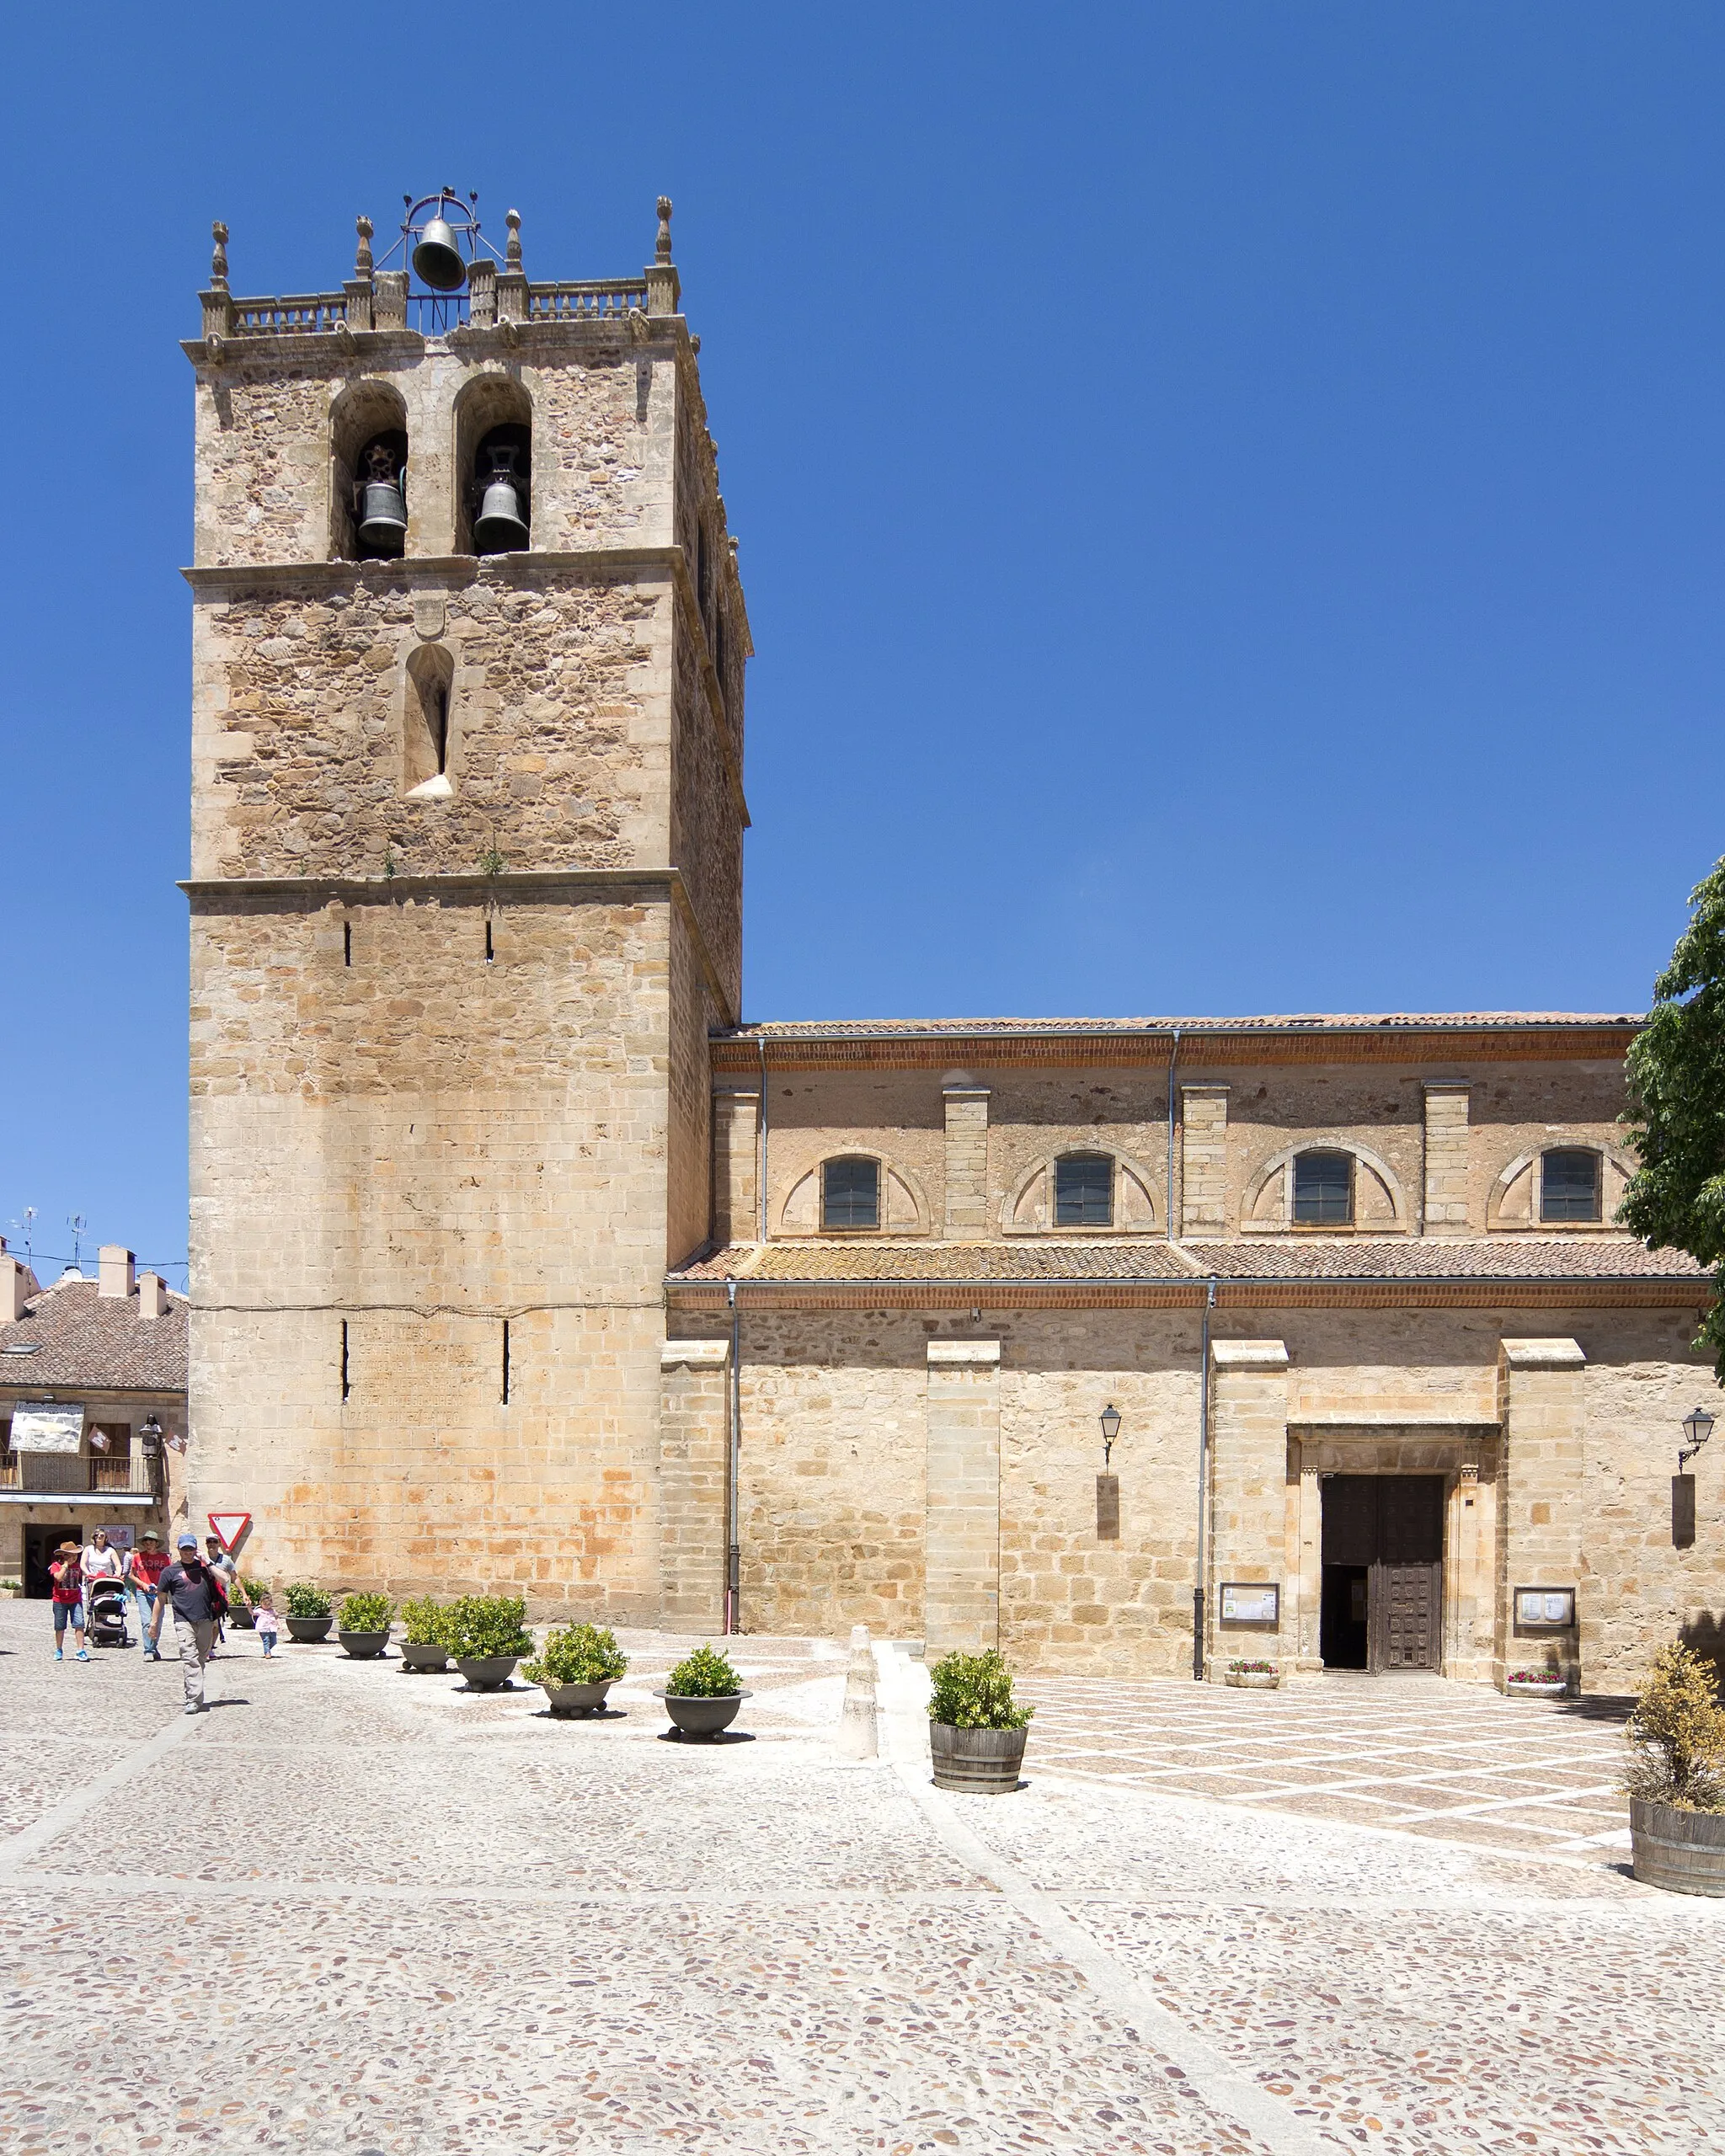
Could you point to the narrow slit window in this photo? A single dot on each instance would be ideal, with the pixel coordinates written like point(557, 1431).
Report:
point(346, 1385)
point(1569, 1184)
point(1084, 1191)
point(1323, 1190)
point(849, 1194)
point(489, 952)
point(347, 942)
point(505, 1362)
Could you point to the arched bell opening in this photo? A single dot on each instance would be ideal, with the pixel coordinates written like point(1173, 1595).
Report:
point(368, 445)
point(494, 458)
point(501, 497)
point(429, 721)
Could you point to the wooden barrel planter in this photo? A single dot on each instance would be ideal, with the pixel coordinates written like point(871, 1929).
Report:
point(980, 1762)
point(1682, 1851)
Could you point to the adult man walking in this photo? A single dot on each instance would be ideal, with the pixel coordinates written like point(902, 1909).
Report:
point(143, 1573)
point(195, 1594)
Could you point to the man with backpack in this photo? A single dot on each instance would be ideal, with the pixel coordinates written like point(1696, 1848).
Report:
point(194, 1591)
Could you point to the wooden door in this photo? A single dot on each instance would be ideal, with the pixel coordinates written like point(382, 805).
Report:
point(1407, 1573)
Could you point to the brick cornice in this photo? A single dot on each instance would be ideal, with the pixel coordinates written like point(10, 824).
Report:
point(1152, 1047)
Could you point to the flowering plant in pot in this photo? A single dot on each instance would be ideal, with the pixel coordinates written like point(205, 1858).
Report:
point(1543, 1681)
point(1253, 1676)
point(308, 1618)
point(975, 1728)
point(363, 1624)
point(703, 1693)
point(487, 1634)
point(425, 1645)
point(577, 1666)
point(1676, 1775)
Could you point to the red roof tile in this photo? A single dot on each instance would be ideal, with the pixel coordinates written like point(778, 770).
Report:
point(83, 1338)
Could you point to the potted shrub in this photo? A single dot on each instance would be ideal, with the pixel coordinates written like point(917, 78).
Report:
point(308, 1618)
point(424, 1646)
point(488, 1636)
point(975, 1733)
point(363, 1628)
point(1548, 1683)
point(1676, 1777)
point(1253, 1676)
point(578, 1666)
point(703, 1693)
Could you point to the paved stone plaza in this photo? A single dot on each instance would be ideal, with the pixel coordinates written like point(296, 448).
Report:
point(426, 1921)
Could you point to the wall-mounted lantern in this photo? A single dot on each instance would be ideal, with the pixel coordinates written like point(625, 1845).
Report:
point(1697, 1429)
point(1108, 1486)
point(1110, 1420)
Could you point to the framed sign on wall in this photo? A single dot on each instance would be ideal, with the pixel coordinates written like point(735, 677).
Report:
point(1252, 1604)
point(1545, 1608)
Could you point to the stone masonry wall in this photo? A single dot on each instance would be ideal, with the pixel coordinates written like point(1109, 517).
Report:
point(420, 1146)
point(559, 755)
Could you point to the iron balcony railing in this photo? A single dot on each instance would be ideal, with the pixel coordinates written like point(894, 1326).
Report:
point(66, 1475)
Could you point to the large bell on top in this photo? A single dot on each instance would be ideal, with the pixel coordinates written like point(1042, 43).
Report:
point(501, 528)
point(437, 260)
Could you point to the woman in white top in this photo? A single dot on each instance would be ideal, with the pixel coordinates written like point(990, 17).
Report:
point(99, 1560)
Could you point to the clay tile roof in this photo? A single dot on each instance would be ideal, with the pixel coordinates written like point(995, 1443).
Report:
point(1434, 1257)
point(1290, 1258)
point(1330, 1022)
point(873, 1260)
point(101, 1344)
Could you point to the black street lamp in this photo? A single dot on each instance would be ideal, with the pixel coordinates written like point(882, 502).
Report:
point(1697, 1427)
point(1110, 1420)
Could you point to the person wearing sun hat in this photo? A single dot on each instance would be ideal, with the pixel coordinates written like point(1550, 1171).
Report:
point(144, 1569)
point(193, 1591)
point(68, 1600)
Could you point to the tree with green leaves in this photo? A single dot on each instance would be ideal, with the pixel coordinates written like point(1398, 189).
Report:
point(1676, 1116)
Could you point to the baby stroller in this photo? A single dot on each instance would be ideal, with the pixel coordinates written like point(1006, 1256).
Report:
point(107, 1614)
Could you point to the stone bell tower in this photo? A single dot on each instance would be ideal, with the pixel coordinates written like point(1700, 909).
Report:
point(466, 899)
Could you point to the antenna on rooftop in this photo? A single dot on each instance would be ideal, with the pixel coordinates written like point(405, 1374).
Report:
point(77, 1223)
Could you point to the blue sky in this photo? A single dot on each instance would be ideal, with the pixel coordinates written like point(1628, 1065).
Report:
point(1229, 495)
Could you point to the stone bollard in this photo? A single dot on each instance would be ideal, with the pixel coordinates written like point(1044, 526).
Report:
point(857, 1739)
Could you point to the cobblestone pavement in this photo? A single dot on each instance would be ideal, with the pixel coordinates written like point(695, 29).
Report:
point(352, 1909)
point(1452, 1762)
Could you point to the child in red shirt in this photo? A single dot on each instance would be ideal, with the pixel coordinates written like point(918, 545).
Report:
point(68, 1600)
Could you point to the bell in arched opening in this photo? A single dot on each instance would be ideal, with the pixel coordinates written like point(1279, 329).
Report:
point(502, 492)
point(380, 498)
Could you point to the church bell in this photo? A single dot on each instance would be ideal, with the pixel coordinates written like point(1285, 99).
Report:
point(501, 528)
point(380, 504)
point(437, 259)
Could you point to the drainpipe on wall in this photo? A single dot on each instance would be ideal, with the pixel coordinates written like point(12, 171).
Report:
point(1200, 1590)
point(733, 1552)
point(1168, 1199)
point(761, 1149)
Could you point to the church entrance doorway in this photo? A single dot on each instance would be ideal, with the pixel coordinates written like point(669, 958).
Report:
point(1382, 1605)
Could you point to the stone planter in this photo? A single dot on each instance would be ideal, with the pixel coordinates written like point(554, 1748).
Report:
point(242, 1620)
point(309, 1630)
point(417, 1654)
point(703, 1718)
point(578, 1699)
point(981, 1762)
point(1556, 1688)
point(1254, 1680)
point(1682, 1851)
point(486, 1672)
point(365, 1646)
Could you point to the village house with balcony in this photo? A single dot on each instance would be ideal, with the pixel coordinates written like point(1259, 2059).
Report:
point(92, 1388)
